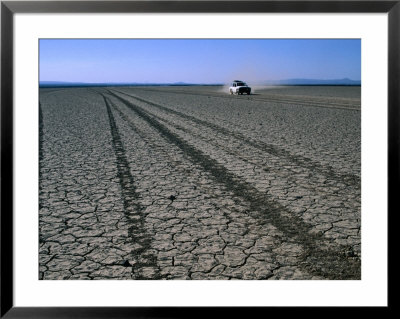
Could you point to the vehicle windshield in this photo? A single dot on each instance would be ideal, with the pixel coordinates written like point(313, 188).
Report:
point(241, 84)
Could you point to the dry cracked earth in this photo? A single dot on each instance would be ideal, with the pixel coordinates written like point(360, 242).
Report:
point(192, 183)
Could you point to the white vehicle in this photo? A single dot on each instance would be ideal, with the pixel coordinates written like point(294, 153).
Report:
point(239, 87)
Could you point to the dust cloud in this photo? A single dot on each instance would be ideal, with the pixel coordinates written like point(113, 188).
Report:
point(256, 78)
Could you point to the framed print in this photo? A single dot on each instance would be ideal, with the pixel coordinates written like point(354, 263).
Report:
point(165, 157)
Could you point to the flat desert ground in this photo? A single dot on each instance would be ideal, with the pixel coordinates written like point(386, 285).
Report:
point(189, 182)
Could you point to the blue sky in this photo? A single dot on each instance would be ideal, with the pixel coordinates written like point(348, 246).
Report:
point(197, 60)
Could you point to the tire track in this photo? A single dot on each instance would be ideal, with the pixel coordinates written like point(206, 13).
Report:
point(319, 257)
point(132, 209)
point(344, 106)
point(291, 176)
point(327, 171)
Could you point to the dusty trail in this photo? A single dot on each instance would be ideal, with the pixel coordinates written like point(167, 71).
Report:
point(146, 191)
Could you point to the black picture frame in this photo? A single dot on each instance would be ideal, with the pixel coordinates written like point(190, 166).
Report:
point(9, 8)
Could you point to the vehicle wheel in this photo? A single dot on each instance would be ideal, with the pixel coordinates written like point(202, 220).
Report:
point(241, 93)
point(230, 91)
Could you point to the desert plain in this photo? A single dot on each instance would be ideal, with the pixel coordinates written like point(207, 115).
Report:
point(189, 182)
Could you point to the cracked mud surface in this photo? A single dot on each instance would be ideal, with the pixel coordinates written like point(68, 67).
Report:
point(191, 183)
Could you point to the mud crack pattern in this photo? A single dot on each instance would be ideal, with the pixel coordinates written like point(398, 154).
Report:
point(158, 183)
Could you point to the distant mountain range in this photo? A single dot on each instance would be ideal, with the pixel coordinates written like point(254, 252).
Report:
point(344, 81)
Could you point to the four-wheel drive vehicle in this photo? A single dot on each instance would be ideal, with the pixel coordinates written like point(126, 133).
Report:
point(239, 87)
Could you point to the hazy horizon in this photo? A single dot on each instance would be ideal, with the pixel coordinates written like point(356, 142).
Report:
point(211, 83)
